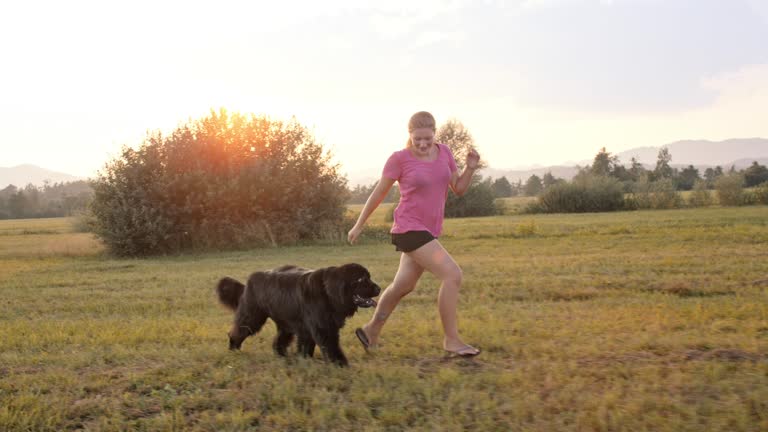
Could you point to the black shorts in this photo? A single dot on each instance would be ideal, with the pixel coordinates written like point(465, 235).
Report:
point(411, 240)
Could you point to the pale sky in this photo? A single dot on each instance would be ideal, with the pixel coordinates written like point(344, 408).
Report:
point(535, 81)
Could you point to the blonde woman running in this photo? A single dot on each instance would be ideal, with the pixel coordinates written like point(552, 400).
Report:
point(424, 170)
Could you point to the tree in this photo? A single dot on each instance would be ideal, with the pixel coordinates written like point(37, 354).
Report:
point(549, 180)
point(5, 197)
point(453, 134)
point(710, 175)
point(624, 176)
point(621, 174)
point(478, 200)
point(502, 188)
point(636, 170)
point(663, 170)
point(51, 200)
point(517, 187)
point(17, 205)
point(603, 163)
point(687, 178)
point(755, 174)
point(8, 191)
point(533, 186)
point(223, 181)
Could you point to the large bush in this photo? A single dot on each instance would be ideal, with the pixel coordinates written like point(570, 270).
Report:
point(730, 189)
point(761, 193)
point(660, 194)
point(586, 193)
point(478, 200)
point(700, 196)
point(223, 181)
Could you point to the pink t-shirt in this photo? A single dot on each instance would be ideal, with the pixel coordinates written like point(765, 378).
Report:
point(423, 189)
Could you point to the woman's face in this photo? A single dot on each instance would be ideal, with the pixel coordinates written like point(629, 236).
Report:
point(422, 140)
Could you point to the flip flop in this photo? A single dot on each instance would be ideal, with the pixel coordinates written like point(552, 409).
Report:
point(463, 352)
point(363, 338)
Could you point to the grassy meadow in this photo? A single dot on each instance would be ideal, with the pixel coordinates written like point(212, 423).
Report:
point(631, 321)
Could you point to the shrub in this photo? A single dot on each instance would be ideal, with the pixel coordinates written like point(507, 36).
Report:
point(83, 222)
point(224, 181)
point(640, 197)
point(587, 193)
point(659, 194)
point(700, 196)
point(749, 198)
point(664, 195)
point(390, 215)
point(478, 200)
point(761, 193)
point(532, 207)
point(730, 190)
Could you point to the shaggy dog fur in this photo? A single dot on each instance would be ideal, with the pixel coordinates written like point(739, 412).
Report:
point(310, 304)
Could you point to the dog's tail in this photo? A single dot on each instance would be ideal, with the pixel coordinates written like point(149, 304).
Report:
point(229, 291)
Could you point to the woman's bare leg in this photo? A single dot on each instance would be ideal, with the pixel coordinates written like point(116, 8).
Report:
point(407, 276)
point(434, 258)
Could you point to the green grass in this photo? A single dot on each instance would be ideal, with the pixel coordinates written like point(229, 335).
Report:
point(636, 321)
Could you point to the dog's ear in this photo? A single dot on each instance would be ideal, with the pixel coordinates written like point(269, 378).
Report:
point(323, 283)
point(316, 284)
point(335, 285)
point(229, 291)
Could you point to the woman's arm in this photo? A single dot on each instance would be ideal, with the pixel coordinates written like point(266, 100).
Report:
point(460, 183)
point(377, 196)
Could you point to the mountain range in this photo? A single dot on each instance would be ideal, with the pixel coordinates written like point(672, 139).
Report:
point(700, 153)
point(23, 175)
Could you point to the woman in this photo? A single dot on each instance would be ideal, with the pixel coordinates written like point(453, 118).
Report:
point(424, 169)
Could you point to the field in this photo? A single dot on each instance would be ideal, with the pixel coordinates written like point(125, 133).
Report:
point(632, 321)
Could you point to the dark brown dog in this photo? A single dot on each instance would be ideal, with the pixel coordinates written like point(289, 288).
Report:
point(310, 304)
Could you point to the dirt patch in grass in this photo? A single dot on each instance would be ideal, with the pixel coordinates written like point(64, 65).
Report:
point(686, 289)
point(572, 295)
point(676, 357)
point(724, 354)
point(431, 365)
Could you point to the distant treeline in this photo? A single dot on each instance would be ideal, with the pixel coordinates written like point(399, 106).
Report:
point(360, 194)
point(686, 179)
point(607, 185)
point(50, 200)
point(605, 165)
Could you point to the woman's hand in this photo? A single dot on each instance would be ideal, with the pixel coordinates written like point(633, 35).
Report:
point(473, 159)
point(354, 233)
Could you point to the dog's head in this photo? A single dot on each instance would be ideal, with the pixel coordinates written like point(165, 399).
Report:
point(352, 282)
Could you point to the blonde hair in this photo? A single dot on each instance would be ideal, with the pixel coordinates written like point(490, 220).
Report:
point(421, 119)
